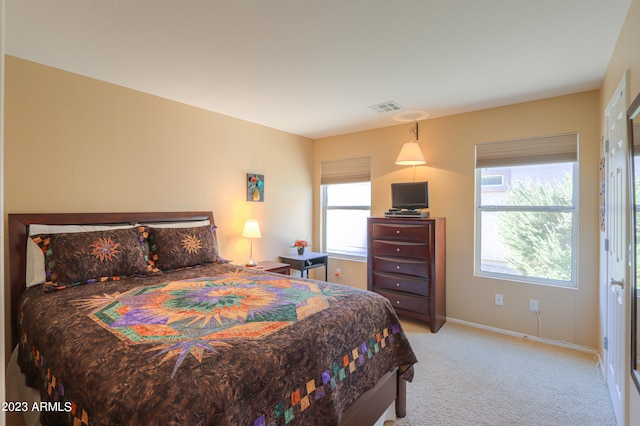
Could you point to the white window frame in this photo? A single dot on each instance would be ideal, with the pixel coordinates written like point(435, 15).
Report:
point(573, 210)
point(351, 170)
point(325, 209)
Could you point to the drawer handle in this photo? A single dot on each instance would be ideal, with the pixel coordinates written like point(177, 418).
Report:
point(397, 302)
point(398, 249)
point(397, 284)
point(398, 267)
point(398, 231)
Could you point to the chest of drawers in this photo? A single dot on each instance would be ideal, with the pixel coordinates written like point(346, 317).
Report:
point(406, 264)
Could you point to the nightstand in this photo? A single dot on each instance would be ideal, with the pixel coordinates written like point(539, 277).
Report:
point(306, 261)
point(277, 267)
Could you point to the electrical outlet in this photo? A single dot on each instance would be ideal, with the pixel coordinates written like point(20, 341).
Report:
point(499, 299)
point(533, 305)
point(338, 272)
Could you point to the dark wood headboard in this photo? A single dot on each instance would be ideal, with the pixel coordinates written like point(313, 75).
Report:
point(19, 228)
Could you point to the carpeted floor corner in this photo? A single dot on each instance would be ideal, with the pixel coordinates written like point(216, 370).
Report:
point(468, 376)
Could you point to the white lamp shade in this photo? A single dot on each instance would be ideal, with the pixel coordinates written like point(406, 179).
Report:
point(251, 229)
point(410, 155)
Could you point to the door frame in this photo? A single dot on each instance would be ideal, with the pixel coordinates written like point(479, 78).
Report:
point(605, 289)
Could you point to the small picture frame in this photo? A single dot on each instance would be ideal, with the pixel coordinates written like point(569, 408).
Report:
point(255, 187)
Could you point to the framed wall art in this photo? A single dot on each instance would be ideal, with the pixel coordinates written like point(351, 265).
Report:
point(255, 187)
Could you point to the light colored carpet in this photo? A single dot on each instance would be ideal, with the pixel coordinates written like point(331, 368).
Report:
point(467, 376)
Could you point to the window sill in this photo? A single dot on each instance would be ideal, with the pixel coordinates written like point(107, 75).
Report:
point(527, 280)
point(346, 257)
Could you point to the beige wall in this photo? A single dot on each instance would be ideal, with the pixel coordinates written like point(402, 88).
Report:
point(626, 57)
point(448, 144)
point(77, 144)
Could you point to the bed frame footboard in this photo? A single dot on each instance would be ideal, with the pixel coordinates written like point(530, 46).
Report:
point(372, 404)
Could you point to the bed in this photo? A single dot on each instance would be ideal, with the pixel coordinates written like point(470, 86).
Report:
point(186, 338)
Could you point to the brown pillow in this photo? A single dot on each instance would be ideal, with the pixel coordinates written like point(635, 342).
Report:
point(87, 257)
point(176, 248)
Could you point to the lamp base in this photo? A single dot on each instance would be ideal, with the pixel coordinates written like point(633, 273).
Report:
point(251, 264)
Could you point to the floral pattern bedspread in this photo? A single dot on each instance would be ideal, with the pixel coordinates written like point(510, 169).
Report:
point(219, 344)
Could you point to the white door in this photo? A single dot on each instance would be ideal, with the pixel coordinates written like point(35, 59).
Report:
point(617, 255)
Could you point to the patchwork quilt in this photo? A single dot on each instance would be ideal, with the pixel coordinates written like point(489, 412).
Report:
point(213, 345)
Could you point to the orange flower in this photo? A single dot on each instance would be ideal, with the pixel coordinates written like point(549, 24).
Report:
point(301, 243)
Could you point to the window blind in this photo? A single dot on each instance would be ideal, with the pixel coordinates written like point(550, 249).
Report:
point(345, 171)
point(546, 149)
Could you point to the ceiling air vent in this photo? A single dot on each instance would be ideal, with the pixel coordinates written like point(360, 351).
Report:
point(386, 107)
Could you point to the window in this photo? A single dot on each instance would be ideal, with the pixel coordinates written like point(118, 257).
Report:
point(498, 180)
point(492, 180)
point(346, 205)
point(526, 222)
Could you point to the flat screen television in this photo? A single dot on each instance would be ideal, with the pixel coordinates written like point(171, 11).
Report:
point(410, 195)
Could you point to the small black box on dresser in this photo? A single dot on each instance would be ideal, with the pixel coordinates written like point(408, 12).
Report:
point(406, 264)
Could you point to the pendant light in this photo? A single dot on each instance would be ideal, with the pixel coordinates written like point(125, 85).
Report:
point(411, 154)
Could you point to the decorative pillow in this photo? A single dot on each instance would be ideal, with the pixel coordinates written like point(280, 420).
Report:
point(176, 248)
point(35, 256)
point(87, 257)
point(146, 250)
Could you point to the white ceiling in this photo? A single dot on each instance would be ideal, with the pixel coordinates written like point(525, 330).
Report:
point(313, 67)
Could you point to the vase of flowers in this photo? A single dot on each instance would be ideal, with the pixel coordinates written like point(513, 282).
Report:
point(300, 246)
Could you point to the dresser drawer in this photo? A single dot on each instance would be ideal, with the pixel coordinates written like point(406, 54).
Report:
point(401, 248)
point(417, 232)
point(406, 264)
point(407, 302)
point(418, 268)
point(400, 283)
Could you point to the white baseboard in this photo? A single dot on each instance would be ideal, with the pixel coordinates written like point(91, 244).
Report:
point(559, 343)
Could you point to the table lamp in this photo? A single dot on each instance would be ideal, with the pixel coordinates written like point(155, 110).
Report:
point(251, 231)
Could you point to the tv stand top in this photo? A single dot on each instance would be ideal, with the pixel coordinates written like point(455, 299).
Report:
point(406, 213)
